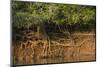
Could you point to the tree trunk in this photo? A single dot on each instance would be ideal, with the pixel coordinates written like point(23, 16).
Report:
point(38, 31)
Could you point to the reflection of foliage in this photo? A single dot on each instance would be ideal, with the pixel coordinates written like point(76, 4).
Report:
point(26, 14)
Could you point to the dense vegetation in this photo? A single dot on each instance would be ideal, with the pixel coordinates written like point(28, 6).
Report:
point(44, 31)
point(52, 17)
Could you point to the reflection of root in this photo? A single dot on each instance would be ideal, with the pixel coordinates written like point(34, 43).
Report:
point(44, 51)
point(49, 48)
point(47, 52)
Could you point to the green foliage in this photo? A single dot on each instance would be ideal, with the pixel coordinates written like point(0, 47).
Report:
point(26, 14)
